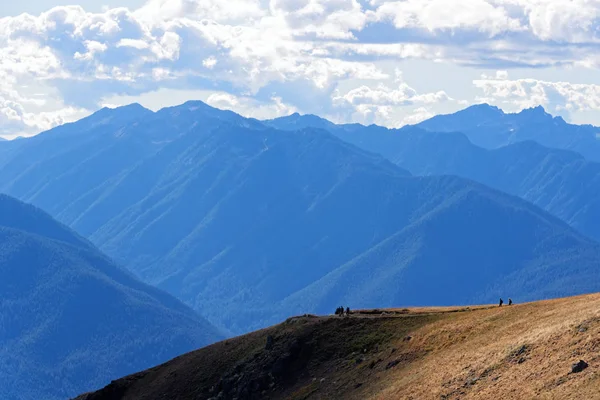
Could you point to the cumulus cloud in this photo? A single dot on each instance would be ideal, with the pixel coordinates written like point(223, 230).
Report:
point(418, 115)
point(92, 48)
point(389, 106)
point(440, 15)
point(573, 21)
point(16, 120)
point(333, 19)
point(252, 47)
point(518, 94)
point(250, 107)
point(123, 45)
point(560, 21)
point(216, 10)
point(385, 96)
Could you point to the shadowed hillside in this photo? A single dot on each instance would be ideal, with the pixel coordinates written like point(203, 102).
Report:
point(71, 319)
point(519, 352)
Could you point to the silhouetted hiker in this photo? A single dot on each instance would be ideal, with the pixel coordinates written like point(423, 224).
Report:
point(501, 302)
point(510, 302)
point(347, 310)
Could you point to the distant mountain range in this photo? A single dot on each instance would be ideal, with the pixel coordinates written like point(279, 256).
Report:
point(559, 181)
point(490, 127)
point(70, 319)
point(250, 222)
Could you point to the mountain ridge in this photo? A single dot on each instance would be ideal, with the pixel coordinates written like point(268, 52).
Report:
point(493, 128)
point(560, 181)
point(236, 218)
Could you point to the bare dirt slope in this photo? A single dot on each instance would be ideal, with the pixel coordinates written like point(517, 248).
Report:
point(519, 352)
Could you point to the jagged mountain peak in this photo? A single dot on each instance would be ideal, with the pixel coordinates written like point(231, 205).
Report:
point(536, 112)
point(132, 110)
point(484, 108)
point(490, 127)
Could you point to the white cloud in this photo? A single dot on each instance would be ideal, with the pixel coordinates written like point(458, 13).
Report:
point(515, 95)
point(127, 46)
point(92, 48)
point(562, 21)
point(217, 10)
point(435, 15)
point(418, 115)
point(16, 120)
point(571, 21)
point(253, 47)
point(388, 106)
point(209, 62)
point(134, 43)
point(250, 107)
point(333, 19)
point(393, 117)
point(383, 95)
point(501, 74)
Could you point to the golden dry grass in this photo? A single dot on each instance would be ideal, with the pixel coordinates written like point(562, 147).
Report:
point(474, 355)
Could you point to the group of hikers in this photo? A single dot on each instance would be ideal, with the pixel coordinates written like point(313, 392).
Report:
point(510, 302)
point(340, 311)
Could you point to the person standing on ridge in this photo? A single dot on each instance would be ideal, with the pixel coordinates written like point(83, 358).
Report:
point(510, 303)
point(501, 302)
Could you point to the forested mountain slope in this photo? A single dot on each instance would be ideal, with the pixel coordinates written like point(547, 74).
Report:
point(562, 182)
point(70, 319)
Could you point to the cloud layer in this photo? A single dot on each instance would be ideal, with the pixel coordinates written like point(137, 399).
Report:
point(330, 57)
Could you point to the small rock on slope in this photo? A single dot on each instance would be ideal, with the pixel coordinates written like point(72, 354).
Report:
point(578, 367)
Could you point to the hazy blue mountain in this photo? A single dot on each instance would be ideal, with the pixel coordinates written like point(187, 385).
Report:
point(490, 127)
point(242, 221)
point(69, 162)
point(474, 247)
point(298, 121)
point(70, 319)
point(559, 181)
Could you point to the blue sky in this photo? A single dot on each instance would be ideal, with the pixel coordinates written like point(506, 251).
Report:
point(370, 61)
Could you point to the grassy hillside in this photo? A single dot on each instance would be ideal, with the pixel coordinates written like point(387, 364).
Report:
point(524, 351)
